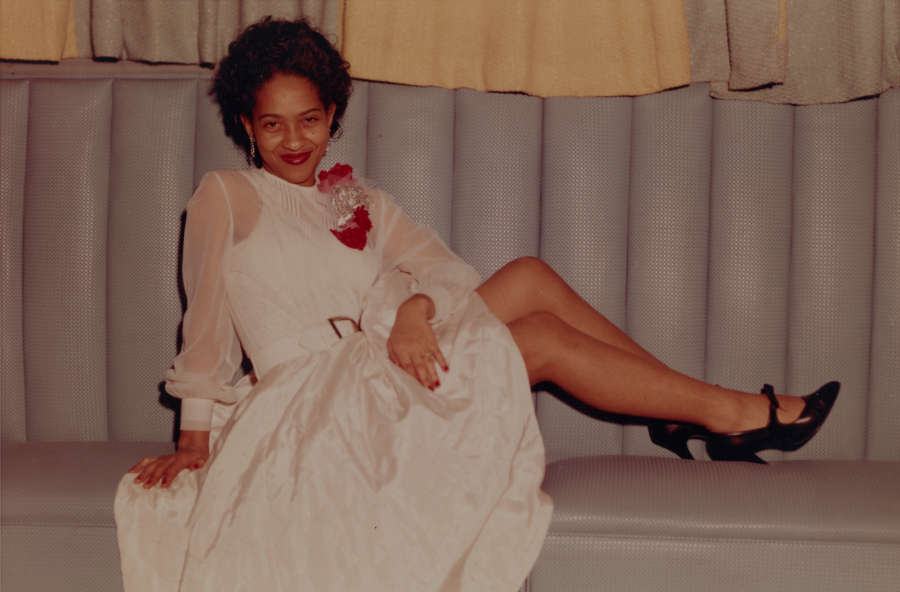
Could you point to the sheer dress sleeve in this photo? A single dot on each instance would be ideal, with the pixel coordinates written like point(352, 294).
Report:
point(419, 251)
point(210, 351)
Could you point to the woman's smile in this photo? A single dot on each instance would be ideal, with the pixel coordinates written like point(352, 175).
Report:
point(296, 159)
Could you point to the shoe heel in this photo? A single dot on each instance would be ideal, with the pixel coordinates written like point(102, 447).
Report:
point(725, 451)
point(671, 436)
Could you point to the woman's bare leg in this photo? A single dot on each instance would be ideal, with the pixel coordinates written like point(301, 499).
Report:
point(528, 285)
point(564, 340)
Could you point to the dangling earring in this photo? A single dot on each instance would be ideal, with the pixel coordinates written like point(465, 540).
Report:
point(253, 150)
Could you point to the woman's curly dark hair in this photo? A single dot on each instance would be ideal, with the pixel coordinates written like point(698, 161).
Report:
point(269, 47)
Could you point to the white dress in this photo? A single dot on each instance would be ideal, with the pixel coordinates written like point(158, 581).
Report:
point(332, 469)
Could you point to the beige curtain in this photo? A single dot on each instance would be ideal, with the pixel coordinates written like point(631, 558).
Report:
point(163, 31)
point(541, 47)
point(743, 42)
point(795, 51)
point(191, 31)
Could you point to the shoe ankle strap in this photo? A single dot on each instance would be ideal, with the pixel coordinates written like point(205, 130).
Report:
point(769, 391)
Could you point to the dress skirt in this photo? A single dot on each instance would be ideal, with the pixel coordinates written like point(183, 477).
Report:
point(338, 471)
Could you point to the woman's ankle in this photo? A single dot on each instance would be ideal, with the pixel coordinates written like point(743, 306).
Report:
point(730, 413)
point(751, 411)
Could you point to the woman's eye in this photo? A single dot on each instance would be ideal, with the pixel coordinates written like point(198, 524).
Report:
point(270, 125)
point(311, 119)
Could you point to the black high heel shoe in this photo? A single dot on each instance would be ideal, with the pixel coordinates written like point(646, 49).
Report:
point(743, 446)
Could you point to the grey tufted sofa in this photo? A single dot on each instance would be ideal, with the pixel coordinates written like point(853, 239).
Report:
point(740, 242)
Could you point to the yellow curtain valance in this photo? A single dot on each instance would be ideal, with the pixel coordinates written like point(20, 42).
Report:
point(541, 47)
point(37, 31)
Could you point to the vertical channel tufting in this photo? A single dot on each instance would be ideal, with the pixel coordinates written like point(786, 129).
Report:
point(350, 146)
point(151, 178)
point(14, 126)
point(750, 245)
point(884, 395)
point(668, 232)
point(64, 281)
point(584, 237)
point(213, 149)
point(831, 266)
point(410, 151)
point(497, 172)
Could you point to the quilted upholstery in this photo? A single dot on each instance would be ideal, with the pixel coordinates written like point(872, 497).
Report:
point(740, 242)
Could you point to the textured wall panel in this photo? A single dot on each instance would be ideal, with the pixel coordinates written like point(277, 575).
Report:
point(584, 237)
point(668, 232)
point(65, 259)
point(351, 146)
point(54, 332)
point(14, 127)
point(151, 177)
point(831, 266)
point(750, 245)
point(410, 150)
point(60, 557)
point(213, 149)
point(497, 168)
point(592, 563)
point(67, 482)
point(884, 394)
point(671, 498)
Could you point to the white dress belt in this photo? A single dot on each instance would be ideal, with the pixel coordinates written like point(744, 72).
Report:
point(308, 340)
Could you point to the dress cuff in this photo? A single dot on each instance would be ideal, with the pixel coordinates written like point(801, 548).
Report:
point(196, 414)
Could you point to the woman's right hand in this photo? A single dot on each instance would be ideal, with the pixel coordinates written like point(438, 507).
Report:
point(192, 453)
point(412, 344)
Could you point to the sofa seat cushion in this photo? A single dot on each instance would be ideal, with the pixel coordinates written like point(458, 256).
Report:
point(66, 483)
point(821, 500)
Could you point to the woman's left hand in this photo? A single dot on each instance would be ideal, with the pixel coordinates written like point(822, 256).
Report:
point(412, 344)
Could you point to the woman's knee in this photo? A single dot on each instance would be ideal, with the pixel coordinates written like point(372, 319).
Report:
point(514, 290)
point(527, 267)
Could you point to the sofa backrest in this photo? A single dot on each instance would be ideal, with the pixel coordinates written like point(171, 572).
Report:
point(739, 242)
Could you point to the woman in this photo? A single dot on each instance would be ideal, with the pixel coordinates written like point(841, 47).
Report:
point(388, 441)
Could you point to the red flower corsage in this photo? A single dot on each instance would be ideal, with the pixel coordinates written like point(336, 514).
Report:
point(349, 205)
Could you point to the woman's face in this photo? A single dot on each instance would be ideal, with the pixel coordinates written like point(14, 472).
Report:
point(290, 126)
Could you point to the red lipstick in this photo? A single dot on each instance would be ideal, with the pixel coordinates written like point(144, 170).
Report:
point(296, 159)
